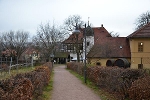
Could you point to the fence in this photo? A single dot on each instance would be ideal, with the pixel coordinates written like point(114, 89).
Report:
point(6, 65)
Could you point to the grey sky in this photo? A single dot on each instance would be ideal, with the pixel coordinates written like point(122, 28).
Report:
point(116, 15)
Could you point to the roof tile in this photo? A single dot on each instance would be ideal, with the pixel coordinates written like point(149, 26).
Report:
point(111, 47)
point(143, 32)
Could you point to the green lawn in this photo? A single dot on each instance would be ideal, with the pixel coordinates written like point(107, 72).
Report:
point(4, 75)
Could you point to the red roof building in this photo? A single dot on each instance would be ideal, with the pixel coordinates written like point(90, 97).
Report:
point(111, 47)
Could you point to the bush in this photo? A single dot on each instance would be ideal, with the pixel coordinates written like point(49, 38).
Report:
point(16, 89)
point(140, 89)
point(27, 85)
point(124, 83)
point(77, 67)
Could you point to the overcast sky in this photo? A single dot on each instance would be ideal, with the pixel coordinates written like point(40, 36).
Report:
point(115, 15)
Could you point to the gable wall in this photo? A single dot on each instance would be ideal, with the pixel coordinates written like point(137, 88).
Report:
point(140, 57)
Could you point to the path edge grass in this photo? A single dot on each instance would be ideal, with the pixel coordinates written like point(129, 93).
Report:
point(47, 91)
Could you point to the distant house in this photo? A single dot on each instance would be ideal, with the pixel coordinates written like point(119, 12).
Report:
point(70, 45)
point(8, 53)
point(109, 48)
point(31, 53)
point(140, 47)
point(92, 35)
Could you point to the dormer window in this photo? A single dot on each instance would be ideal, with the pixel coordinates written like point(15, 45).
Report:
point(140, 47)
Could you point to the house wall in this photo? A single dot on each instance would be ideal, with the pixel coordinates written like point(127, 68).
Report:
point(89, 39)
point(140, 57)
point(103, 61)
point(93, 61)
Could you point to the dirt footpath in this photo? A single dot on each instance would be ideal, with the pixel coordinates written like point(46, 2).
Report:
point(68, 87)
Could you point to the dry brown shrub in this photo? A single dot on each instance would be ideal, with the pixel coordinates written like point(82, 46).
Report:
point(20, 89)
point(140, 89)
point(93, 74)
point(116, 80)
point(77, 67)
point(25, 86)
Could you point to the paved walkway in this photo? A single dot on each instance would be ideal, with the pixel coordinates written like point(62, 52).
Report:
point(67, 87)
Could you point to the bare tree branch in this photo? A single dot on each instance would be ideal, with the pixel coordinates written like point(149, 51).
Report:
point(47, 37)
point(142, 20)
point(15, 41)
point(114, 34)
point(71, 21)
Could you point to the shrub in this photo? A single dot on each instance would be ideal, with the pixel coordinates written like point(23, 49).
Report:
point(119, 81)
point(16, 89)
point(77, 67)
point(140, 89)
point(25, 86)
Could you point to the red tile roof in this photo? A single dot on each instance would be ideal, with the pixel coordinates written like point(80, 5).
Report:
point(111, 47)
point(143, 32)
point(99, 32)
point(30, 51)
point(72, 39)
point(8, 52)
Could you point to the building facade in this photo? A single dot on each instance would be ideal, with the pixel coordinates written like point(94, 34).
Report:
point(140, 47)
point(92, 35)
point(101, 47)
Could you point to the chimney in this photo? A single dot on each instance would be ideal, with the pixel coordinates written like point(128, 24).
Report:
point(102, 25)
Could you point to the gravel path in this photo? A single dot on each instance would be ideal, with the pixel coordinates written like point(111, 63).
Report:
point(67, 87)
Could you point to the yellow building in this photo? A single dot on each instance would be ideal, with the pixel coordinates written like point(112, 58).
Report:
point(110, 48)
point(140, 47)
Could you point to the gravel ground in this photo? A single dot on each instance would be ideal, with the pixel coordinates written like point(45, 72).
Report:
point(67, 87)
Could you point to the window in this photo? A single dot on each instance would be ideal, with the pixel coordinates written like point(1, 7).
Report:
point(88, 43)
point(70, 47)
point(140, 66)
point(80, 47)
point(140, 47)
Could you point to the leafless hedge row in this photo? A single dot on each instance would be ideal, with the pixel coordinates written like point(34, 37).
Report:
point(123, 83)
point(26, 86)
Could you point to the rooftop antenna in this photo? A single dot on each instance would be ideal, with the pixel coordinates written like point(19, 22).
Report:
point(88, 20)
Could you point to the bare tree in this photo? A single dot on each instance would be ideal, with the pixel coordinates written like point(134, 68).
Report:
point(71, 22)
point(114, 34)
point(46, 39)
point(142, 20)
point(16, 41)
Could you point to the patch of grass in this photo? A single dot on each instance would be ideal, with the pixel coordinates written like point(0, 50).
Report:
point(47, 91)
point(13, 72)
point(103, 94)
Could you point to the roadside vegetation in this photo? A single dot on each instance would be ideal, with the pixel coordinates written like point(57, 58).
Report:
point(104, 95)
point(28, 84)
point(13, 72)
point(47, 91)
point(122, 84)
